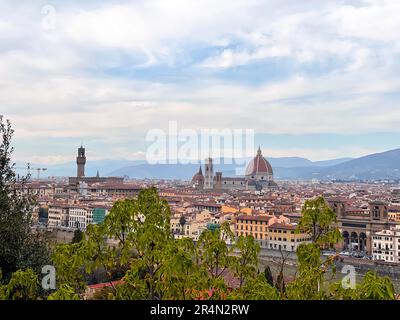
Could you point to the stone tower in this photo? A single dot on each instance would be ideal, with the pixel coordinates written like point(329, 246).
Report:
point(378, 210)
point(208, 174)
point(218, 180)
point(80, 162)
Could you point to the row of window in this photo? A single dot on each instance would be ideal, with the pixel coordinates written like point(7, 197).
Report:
point(260, 236)
point(256, 228)
point(382, 238)
point(379, 246)
point(383, 252)
point(386, 258)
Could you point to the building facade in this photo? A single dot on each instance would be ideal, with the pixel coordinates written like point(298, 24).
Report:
point(259, 175)
point(358, 226)
point(271, 232)
point(386, 245)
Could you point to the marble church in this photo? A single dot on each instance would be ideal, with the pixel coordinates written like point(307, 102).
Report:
point(259, 175)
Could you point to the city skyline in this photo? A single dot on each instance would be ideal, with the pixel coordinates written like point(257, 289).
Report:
point(316, 80)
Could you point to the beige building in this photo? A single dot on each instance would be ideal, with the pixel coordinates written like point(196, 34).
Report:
point(54, 217)
point(276, 233)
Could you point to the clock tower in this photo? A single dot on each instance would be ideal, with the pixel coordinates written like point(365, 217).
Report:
point(80, 162)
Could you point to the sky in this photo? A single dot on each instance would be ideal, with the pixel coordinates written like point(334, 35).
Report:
point(316, 79)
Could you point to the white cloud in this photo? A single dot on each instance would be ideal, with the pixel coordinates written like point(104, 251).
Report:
point(57, 83)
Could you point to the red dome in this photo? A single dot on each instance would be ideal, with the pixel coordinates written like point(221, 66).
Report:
point(259, 166)
point(198, 177)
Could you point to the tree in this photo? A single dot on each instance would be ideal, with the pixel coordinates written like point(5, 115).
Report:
point(150, 236)
point(319, 221)
point(245, 265)
point(308, 282)
point(64, 292)
point(280, 279)
point(376, 288)
point(23, 285)
point(20, 247)
point(182, 222)
point(268, 275)
point(257, 289)
point(70, 261)
point(183, 277)
point(373, 287)
point(78, 236)
point(214, 254)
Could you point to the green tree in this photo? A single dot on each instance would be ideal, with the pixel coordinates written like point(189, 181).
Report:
point(182, 278)
point(20, 247)
point(376, 288)
point(245, 265)
point(319, 221)
point(78, 236)
point(70, 261)
point(214, 253)
point(100, 254)
point(150, 235)
point(373, 287)
point(268, 275)
point(23, 285)
point(64, 292)
point(257, 289)
point(308, 282)
point(182, 222)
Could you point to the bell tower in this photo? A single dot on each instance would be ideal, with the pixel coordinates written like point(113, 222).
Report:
point(80, 162)
point(209, 174)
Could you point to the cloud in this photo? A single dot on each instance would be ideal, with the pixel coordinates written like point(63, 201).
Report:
point(111, 72)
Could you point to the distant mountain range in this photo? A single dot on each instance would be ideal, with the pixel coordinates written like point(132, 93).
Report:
point(186, 171)
point(385, 165)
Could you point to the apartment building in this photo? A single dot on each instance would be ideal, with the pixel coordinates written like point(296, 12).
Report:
point(78, 216)
point(276, 233)
point(386, 245)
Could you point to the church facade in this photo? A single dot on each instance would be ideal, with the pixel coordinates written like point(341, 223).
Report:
point(259, 175)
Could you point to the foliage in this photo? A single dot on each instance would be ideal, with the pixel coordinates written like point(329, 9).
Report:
point(245, 265)
point(69, 260)
point(307, 285)
point(78, 236)
point(257, 288)
point(214, 254)
point(20, 248)
point(23, 285)
point(182, 276)
point(373, 287)
point(319, 221)
point(182, 221)
point(268, 276)
point(64, 292)
point(376, 288)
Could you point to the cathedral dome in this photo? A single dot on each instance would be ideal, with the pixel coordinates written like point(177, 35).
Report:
point(198, 178)
point(259, 167)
